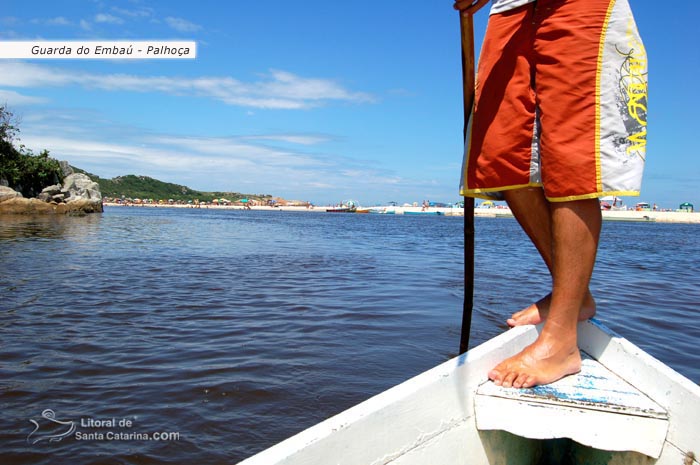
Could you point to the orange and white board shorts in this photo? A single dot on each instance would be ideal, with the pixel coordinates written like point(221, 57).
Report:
point(561, 103)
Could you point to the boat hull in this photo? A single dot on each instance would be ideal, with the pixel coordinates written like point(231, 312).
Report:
point(432, 418)
point(427, 212)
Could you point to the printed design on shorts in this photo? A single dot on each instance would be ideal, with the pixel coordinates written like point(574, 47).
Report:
point(633, 95)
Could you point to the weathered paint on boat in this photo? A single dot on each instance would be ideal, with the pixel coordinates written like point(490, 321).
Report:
point(595, 407)
point(431, 419)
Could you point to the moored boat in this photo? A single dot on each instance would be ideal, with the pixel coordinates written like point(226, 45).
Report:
point(349, 206)
point(624, 407)
point(341, 210)
point(423, 212)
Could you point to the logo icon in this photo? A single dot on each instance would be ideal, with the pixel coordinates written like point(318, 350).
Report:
point(52, 430)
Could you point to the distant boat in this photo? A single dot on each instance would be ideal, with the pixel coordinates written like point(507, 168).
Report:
point(423, 212)
point(623, 407)
point(349, 206)
point(341, 210)
point(611, 202)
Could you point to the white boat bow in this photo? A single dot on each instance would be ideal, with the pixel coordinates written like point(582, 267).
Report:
point(432, 418)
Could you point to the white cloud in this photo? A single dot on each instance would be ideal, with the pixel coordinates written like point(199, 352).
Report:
point(278, 90)
point(13, 98)
point(107, 18)
point(140, 12)
point(57, 21)
point(182, 25)
point(211, 163)
point(292, 138)
point(215, 163)
point(9, 21)
point(85, 25)
point(228, 148)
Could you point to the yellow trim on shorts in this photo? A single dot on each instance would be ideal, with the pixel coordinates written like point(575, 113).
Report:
point(483, 193)
point(599, 72)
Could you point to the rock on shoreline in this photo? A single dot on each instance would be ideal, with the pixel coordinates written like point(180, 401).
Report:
point(78, 195)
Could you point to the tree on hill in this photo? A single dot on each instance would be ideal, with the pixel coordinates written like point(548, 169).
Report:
point(144, 187)
point(20, 169)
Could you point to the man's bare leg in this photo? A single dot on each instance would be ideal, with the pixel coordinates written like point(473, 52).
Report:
point(531, 209)
point(575, 234)
point(537, 312)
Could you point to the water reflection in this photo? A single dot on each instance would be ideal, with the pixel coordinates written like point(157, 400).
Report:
point(19, 227)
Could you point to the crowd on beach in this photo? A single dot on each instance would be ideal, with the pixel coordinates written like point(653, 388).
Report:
point(196, 203)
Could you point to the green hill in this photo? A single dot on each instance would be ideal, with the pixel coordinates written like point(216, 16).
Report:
point(144, 187)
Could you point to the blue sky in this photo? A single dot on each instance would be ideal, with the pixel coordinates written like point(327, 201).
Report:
point(309, 100)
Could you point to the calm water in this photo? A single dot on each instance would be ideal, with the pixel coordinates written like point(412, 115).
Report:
point(228, 331)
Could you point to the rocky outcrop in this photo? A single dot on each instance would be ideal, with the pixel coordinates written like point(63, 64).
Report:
point(7, 193)
point(48, 194)
point(80, 186)
point(66, 169)
point(77, 196)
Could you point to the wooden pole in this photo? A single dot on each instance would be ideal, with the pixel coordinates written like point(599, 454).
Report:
point(467, 33)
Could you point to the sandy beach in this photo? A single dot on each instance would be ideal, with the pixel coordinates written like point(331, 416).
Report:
point(616, 215)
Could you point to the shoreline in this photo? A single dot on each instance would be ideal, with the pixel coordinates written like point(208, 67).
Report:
point(615, 215)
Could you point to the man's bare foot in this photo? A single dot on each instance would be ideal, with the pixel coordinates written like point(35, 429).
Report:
point(537, 312)
point(541, 362)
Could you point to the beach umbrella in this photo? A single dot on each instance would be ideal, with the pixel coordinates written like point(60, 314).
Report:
point(243, 200)
point(466, 27)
